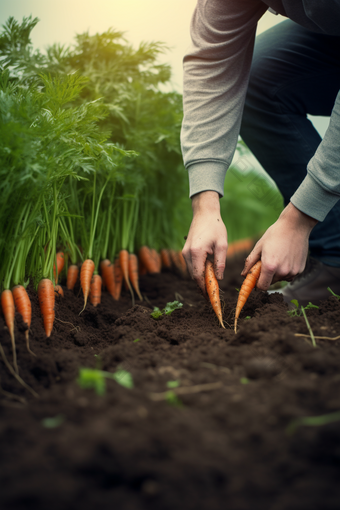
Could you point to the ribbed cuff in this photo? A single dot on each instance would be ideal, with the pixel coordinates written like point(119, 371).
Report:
point(312, 199)
point(207, 176)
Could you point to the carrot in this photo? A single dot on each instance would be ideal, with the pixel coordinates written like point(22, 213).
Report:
point(146, 258)
point(124, 264)
point(108, 276)
point(240, 246)
point(86, 273)
point(59, 290)
point(96, 290)
point(23, 305)
point(46, 301)
point(157, 258)
point(182, 263)
point(72, 276)
point(247, 286)
point(141, 268)
point(165, 256)
point(8, 308)
point(118, 279)
point(60, 265)
point(133, 273)
point(213, 290)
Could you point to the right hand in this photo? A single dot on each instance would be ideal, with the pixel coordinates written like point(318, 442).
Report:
point(207, 237)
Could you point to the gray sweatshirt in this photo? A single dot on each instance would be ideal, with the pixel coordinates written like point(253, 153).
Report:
point(216, 72)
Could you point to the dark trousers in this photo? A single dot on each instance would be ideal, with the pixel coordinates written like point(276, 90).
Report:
point(294, 72)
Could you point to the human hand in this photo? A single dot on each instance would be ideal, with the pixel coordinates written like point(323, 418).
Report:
point(283, 248)
point(207, 237)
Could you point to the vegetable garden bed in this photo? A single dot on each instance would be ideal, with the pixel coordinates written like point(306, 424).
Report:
point(209, 421)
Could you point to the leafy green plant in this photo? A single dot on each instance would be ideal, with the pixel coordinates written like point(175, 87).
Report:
point(92, 378)
point(167, 310)
point(298, 310)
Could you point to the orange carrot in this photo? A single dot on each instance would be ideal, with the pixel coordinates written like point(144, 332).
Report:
point(46, 301)
point(146, 258)
point(157, 258)
point(240, 246)
point(247, 286)
point(23, 305)
point(72, 276)
point(60, 265)
point(213, 290)
point(141, 268)
point(59, 290)
point(133, 273)
point(182, 263)
point(124, 264)
point(96, 290)
point(86, 273)
point(108, 276)
point(8, 308)
point(118, 279)
point(165, 256)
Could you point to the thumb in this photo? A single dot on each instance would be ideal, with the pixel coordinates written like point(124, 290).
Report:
point(252, 258)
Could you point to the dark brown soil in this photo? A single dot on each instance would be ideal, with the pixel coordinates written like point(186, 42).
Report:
point(223, 446)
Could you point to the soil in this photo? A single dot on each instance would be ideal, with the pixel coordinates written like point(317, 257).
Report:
point(221, 440)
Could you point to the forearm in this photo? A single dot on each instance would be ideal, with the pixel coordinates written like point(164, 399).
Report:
point(216, 71)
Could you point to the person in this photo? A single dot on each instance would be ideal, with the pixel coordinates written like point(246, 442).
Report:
point(264, 94)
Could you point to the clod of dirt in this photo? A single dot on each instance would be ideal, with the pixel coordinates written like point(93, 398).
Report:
point(262, 367)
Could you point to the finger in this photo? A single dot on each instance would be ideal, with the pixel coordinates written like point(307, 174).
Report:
point(266, 276)
point(220, 255)
point(198, 258)
point(252, 258)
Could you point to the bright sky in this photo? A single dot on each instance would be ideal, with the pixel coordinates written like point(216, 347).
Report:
point(141, 20)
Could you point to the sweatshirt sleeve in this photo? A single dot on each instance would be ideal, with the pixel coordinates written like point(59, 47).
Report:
point(320, 190)
point(216, 72)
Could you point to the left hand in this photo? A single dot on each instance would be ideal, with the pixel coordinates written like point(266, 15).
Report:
point(283, 248)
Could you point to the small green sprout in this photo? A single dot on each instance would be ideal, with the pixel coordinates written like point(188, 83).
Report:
point(173, 399)
point(167, 310)
point(92, 378)
point(297, 312)
point(172, 384)
point(244, 380)
point(333, 293)
point(52, 423)
point(137, 340)
point(312, 421)
point(247, 318)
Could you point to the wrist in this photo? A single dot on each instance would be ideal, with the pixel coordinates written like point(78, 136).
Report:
point(297, 218)
point(206, 201)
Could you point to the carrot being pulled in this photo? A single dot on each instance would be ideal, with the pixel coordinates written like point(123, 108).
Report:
point(46, 300)
point(8, 308)
point(86, 273)
point(247, 286)
point(23, 305)
point(213, 290)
